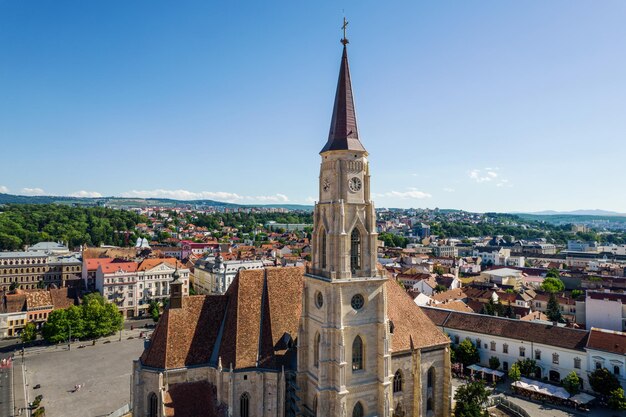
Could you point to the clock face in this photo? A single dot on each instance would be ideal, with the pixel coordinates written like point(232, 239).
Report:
point(326, 184)
point(355, 184)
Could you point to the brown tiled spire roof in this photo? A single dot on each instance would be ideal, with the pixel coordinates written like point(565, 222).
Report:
point(343, 134)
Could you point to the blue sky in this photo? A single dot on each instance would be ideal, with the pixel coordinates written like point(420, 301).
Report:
point(480, 105)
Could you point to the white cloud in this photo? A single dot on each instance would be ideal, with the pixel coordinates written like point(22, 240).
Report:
point(32, 191)
point(3, 189)
point(310, 200)
point(489, 175)
point(412, 193)
point(83, 193)
point(486, 175)
point(206, 195)
point(449, 190)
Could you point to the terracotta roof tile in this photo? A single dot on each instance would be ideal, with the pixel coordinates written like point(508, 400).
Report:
point(186, 336)
point(94, 263)
point(111, 268)
point(147, 264)
point(607, 340)
point(38, 298)
point(512, 329)
point(412, 329)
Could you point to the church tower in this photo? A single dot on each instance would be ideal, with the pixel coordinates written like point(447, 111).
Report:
point(344, 361)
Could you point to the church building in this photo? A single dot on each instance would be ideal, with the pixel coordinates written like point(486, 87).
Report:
point(336, 339)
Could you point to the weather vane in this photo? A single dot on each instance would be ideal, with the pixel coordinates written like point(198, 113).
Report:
point(344, 40)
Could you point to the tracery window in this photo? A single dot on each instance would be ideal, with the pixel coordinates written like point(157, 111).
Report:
point(316, 350)
point(357, 354)
point(323, 248)
point(244, 405)
point(355, 250)
point(153, 405)
point(397, 381)
point(431, 377)
point(358, 410)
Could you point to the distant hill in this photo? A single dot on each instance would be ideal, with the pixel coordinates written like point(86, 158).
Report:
point(588, 212)
point(121, 202)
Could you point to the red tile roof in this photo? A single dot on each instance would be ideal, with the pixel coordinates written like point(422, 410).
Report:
point(547, 334)
point(117, 266)
point(607, 340)
point(412, 328)
point(94, 263)
point(252, 324)
point(147, 264)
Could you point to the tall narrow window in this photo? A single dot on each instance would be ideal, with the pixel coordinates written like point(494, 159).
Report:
point(315, 406)
point(153, 405)
point(397, 381)
point(357, 354)
point(316, 350)
point(244, 405)
point(358, 410)
point(323, 247)
point(431, 377)
point(355, 250)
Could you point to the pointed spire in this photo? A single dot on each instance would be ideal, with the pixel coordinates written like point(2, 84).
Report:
point(344, 134)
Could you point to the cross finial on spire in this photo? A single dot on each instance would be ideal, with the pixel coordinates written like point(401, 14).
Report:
point(344, 40)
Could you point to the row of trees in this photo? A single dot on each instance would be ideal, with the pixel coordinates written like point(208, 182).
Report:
point(27, 224)
point(94, 318)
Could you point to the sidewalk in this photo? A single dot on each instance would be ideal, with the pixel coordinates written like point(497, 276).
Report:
point(19, 389)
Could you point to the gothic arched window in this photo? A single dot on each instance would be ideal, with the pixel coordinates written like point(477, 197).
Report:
point(315, 406)
point(397, 381)
point(153, 405)
point(316, 350)
point(323, 247)
point(431, 377)
point(355, 250)
point(244, 405)
point(358, 410)
point(429, 404)
point(357, 354)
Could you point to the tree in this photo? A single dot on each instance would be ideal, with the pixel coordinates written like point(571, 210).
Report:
point(577, 293)
point(554, 310)
point(514, 372)
point(29, 333)
point(438, 269)
point(552, 285)
point(466, 353)
point(527, 367)
point(471, 400)
point(603, 381)
point(572, 383)
point(494, 362)
point(440, 288)
point(617, 400)
point(153, 310)
point(56, 328)
point(553, 273)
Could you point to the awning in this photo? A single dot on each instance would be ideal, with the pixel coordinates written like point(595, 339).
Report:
point(541, 388)
point(582, 398)
point(478, 368)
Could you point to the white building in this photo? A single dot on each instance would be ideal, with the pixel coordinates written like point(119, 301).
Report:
point(605, 310)
point(556, 350)
point(213, 275)
point(607, 349)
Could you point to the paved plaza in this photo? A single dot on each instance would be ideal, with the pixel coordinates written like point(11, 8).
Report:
point(103, 371)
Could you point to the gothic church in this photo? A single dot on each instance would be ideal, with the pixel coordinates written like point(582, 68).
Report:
point(337, 339)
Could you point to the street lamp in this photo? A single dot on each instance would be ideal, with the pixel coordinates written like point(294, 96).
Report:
point(69, 339)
